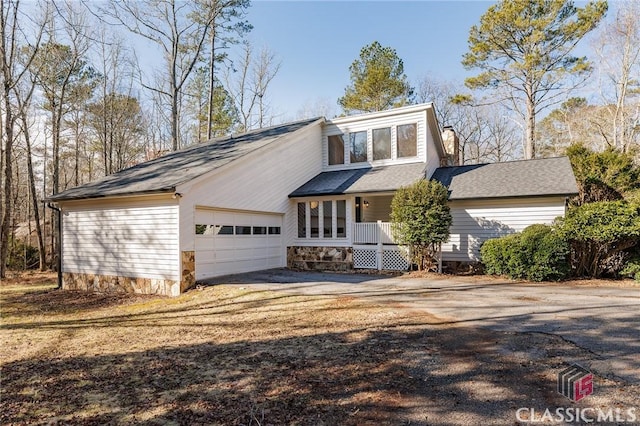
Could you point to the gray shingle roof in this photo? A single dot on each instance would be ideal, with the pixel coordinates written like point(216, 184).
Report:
point(164, 173)
point(548, 176)
point(378, 179)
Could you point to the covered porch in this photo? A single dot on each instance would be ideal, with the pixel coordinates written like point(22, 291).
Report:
point(372, 237)
point(342, 219)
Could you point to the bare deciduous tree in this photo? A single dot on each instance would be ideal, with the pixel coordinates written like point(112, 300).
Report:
point(14, 36)
point(168, 24)
point(618, 49)
point(248, 86)
point(486, 133)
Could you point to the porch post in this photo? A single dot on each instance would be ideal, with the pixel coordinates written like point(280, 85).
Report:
point(380, 252)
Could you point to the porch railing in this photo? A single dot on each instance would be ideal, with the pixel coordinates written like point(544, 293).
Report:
point(374, 248)
point(372, 233)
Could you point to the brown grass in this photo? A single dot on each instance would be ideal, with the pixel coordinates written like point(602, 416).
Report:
point(236, 356)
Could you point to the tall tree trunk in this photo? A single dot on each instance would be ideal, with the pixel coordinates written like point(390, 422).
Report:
point(8, 154)
point(32, 182)
point(212, 62)
point(530, 141)
point(174, 121)
point(77, 155)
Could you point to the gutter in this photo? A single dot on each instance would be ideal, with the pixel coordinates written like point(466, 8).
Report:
point(59, 254)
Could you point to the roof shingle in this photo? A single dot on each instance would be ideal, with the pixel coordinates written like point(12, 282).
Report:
point(164, 173)
point(377, 179)
point(547, 176)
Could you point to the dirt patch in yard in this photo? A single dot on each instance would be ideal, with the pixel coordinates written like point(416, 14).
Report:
point(232, 356)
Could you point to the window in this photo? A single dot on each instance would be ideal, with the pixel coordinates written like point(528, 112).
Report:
point(243, 230)
point(407, 140)
point(302, 220)
point(223, 230)
point(274, 230)
point(382, 144)
point(358, 147)
point(327, 222)
point(315, 219)
point(201, 229)
point(341, 218)
point(328, 219)
point(259, 230)
point(336, 150)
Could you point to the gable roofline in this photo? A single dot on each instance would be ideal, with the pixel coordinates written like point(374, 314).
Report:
point(164, 174)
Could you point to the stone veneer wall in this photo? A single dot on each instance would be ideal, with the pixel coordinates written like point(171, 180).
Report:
point(117, 284)
point(188, 270)
point(320, 258)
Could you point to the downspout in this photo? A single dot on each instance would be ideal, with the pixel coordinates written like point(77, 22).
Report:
point(59, 254)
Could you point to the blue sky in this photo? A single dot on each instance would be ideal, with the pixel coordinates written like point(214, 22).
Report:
point(317, 41)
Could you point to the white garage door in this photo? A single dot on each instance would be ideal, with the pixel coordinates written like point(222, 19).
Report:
point(231, 242)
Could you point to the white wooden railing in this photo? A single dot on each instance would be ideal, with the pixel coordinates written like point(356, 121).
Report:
point(372, 233)
point(374, 248)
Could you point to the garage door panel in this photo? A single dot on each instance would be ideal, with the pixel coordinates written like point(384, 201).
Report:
point(219, 254)
point(203, 243)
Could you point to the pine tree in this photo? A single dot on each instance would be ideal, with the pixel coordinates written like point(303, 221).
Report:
point(524, 47)
point(378, 81)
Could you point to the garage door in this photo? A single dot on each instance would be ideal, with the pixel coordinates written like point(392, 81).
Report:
point(231, 242)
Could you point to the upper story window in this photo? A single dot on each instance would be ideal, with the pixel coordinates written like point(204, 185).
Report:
point(407, 140)
point(358, 147)
point(336, 150)
point(397, 142)
point(381, 144)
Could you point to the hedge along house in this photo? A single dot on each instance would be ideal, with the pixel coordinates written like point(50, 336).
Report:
point(314, 194)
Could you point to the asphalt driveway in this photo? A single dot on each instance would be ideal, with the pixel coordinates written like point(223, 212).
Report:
point(604, 321)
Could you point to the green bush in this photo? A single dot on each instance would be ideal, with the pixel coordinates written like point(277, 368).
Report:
point(539, 253)
point(544, 254)
point(496, 253)
point(601, 236)
point(421, 218)
point(632, 270)
point(603, 176)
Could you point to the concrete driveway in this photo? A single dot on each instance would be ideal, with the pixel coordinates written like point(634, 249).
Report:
point(605, 321)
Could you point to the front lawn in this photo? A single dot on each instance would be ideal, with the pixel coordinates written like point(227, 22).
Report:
point(229, 355)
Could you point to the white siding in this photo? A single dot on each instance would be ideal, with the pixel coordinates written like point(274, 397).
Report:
point(433, 159)
point(127, 240)
point(259, 182)
point(339, 126)
point(476, 221)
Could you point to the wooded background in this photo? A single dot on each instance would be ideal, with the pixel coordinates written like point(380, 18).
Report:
point(78, 105)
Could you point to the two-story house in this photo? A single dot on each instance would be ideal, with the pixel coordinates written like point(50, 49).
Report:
point(314, 194)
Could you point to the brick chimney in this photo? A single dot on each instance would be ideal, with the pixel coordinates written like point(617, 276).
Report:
point(451, 146)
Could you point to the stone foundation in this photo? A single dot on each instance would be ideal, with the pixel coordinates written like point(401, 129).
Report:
point(188, 270)
point(120, 284)
point(116, 284)
point(320, 258)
